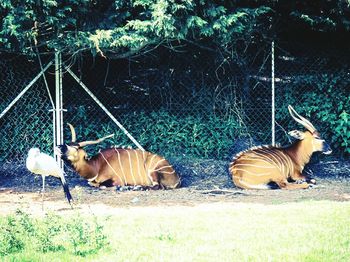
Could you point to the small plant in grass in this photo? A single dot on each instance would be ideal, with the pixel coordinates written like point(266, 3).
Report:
point(11, 240)
point(86, 237)
point(99, 236)
point(48, 234)
point(21, 233)
point(165, 237)
point(26, 222)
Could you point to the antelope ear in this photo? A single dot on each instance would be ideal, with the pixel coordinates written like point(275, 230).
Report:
point(297, 134)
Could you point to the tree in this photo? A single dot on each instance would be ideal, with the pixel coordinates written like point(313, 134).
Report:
point(122, 27)
point(125, 27)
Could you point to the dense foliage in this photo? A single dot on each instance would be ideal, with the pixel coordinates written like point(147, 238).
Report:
point(183, 136)
point(121, 27)
point(326, 103)
point(125, 28)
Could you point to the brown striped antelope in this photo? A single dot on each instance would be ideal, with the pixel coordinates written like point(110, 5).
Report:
point(261, 167)
point(118, 166)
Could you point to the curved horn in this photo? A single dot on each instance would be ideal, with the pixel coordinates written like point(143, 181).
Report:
point(72, 130)
point(301, 120)
point(86, 143)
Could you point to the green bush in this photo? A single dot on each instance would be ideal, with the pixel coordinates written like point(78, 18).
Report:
point(21, 233)
point(325, 100)
point(169, 134)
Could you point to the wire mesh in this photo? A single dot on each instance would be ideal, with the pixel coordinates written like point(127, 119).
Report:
point(29, 122)
point(315, 81)
point(187, 102)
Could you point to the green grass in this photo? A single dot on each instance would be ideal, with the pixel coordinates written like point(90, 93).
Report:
point(304, 231)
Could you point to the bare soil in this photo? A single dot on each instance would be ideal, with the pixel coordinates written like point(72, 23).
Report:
point(203, 181)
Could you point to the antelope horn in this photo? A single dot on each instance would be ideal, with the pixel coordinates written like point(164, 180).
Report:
point(301, 120)
point(86, 143)
point(72, 130)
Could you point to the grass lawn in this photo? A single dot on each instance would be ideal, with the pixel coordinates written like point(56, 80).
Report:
point(303, 231)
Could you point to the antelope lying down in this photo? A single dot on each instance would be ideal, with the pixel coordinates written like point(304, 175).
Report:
point(118, 166)
point(259, 167)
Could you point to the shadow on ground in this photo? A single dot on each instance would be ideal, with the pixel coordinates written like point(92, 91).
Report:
point(203, 181)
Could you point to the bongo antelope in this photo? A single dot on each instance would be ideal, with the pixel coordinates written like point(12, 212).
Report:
point(118, 166)
point(261, 167)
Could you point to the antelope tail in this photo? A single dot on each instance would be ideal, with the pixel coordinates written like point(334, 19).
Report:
point(66, 189)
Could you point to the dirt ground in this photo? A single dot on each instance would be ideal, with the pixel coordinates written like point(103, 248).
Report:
point(203, 181)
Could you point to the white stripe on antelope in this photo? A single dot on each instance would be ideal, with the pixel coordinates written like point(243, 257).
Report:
point(260, 167)
point(118, 166)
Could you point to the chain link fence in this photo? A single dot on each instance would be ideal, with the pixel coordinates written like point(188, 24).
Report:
point(185, 102)
point(29, 122)
point(189, 102)
point(315, 79)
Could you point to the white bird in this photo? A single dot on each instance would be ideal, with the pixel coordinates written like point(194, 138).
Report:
point(45, 165)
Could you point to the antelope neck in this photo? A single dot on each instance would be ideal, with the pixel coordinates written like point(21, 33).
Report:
point(86, 168)
point(300, 153)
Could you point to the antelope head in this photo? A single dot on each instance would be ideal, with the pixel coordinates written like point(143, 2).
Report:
point(73, 151)
point(311, 138)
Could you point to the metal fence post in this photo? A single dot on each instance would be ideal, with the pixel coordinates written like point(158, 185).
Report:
point(98, 102)
point(58, 124)
point(273, 93)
